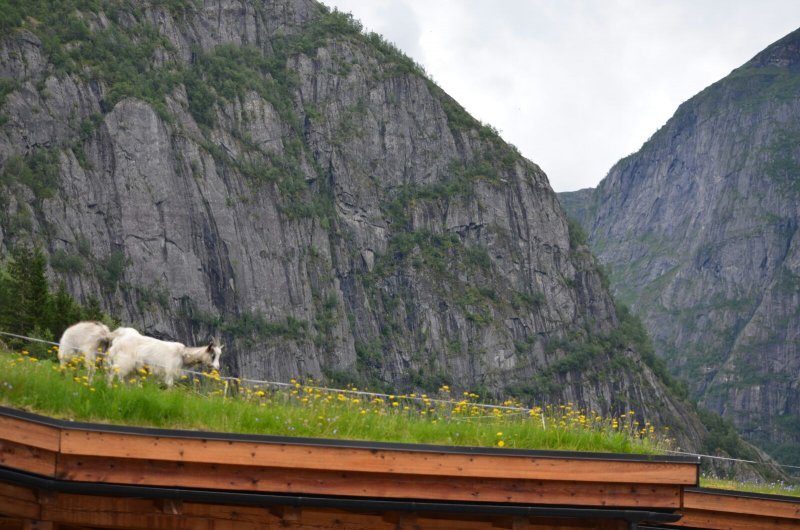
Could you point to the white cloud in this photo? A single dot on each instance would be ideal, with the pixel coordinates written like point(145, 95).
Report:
point(576, 84)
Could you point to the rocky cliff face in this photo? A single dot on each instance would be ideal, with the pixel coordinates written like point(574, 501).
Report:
point(700, 231)
point(268, 172)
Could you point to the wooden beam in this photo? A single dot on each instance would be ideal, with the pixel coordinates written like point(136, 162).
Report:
point(27, 458)
point(30, 433)
point(233, 513)
point(713, 501)
point(733, 521)
point(714, 510)
point(377, 485)
point(82, 511)
point(18, 502)
point(312, 457)
point(95, 511)
point(128, 513)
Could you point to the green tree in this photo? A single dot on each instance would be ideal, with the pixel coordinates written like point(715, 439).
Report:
point(93, 311)
point(61, 312)
point(29, 294)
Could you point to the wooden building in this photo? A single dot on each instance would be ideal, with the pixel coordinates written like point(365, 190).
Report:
point(64, 475)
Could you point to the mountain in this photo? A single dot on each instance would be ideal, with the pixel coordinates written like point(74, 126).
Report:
point(699, 229)
point(269, 172)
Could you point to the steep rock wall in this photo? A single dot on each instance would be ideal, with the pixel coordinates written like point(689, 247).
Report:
point(268, 172)
point(699, 229)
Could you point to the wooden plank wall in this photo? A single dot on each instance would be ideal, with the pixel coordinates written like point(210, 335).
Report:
point(29, 446)
point(144, 458)
point(718, 510)
point(65, 511)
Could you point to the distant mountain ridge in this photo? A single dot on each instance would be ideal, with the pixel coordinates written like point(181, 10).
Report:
point(699, 230)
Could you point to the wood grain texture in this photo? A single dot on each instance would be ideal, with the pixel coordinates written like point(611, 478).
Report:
point(78, 511)
point(27, 458)
point(733, 521)
point(279, 455)
point(370, 485)
point(29, 433)
point(787, 509)
point(18, 502)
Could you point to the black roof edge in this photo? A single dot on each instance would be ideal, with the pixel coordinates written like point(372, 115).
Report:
point(746, 494)
point(345, 503)
point(353, 444)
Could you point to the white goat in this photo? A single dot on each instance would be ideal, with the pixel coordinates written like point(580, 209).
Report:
point(84, 339)
point(121, 332)
point(131, 351)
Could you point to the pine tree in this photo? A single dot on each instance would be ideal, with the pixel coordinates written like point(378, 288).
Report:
point(29, 293)
point(62, 312)
point(92, 310)
point(7, 306)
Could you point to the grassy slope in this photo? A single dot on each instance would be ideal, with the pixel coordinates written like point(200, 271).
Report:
point(774, 488)
point(208, 403)
point(39, 385)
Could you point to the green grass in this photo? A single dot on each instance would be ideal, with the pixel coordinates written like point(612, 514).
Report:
point(212, 404)
point(772, 488)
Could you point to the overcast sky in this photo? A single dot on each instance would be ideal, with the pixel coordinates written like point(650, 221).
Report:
point(576, 84)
